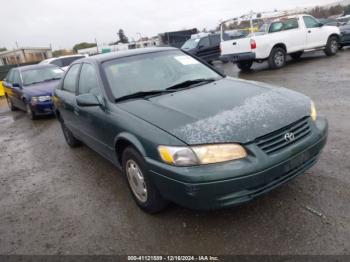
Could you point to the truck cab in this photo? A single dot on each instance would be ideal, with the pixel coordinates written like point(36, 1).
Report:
point(273, 39)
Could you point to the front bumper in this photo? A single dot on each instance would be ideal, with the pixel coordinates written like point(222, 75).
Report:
point(249, 56)
point(43, 108)
point(237, 182)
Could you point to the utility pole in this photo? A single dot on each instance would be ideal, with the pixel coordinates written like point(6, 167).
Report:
point(17, 45)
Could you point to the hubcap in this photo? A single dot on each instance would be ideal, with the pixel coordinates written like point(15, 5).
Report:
point(334, 46)
point(136, 181)
point(279, 58)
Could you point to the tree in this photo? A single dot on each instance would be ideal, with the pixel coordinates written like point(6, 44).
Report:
point(122, 37)
point(2, 49)
point(82, 46)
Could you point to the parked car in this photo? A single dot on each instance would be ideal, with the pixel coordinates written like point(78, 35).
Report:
point(205, 47)
point(62, 61)
point(329, 21)
point(345, 35)
point(30, 88)
point(183, 132)
point(292, 35)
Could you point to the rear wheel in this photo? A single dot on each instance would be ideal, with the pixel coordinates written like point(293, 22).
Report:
point(277, 58)
point(30, 112)
point(332, 46)
point(245, 65)
point(296, 55)
point(143, 190)
point(69, 137)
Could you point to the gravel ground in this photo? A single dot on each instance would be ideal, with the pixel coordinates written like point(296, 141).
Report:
point(57, 200)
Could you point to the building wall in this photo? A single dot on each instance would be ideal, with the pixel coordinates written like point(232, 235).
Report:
point(25, 55)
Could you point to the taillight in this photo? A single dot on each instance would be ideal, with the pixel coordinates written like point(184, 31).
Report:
point(252, 44)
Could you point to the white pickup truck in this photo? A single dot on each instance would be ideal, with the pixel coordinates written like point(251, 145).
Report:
point(289, 35)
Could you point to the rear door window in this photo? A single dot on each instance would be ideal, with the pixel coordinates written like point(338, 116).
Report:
point(88, 83)
point(70, 80)
point(289, 24)
point(276, 27)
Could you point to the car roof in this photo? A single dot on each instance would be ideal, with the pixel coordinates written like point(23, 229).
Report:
point(37, 66)
point(59, 57)
point(119, 54)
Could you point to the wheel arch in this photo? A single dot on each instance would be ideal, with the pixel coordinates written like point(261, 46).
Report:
point(281, 45)
point(123, 140)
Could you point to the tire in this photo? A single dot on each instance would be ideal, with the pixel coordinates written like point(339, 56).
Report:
point(332, 46)
point(10, 104)
point(296, 55)
point(245, 65)
point(69, 137)
point(30, 112)
point(142, 189)
point(277, 58)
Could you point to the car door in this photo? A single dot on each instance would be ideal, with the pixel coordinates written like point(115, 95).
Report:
point(204, 50)
point(91, 119)
point(66, 102)
point(316, 36)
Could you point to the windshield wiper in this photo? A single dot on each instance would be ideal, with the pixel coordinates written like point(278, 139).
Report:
point(192, 83)
point(142, 94)
point(46, 80)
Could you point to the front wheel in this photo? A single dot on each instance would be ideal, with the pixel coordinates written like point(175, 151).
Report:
point(277, 58)
point(31, 113)
point(69, 137)
point(143, 190)
point(332, 46)
point(245, 65)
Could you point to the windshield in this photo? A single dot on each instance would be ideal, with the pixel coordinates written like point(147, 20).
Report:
point(190, 44)
point(41, 74)
point(153, 71)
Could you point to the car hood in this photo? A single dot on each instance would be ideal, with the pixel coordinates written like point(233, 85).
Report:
point(228, 110)
point(41, 89)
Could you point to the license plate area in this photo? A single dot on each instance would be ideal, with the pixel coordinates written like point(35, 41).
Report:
point(297, 161)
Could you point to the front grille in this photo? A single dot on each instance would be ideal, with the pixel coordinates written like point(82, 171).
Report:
point(275, 141)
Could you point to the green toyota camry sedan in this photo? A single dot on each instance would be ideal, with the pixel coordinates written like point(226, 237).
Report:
point(183, 132)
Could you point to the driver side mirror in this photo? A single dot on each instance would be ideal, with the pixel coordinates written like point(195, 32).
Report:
point(320, 24)
point(16, 85)
point(88, 100)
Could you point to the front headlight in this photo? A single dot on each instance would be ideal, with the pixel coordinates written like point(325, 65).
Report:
point(313, 113)
point(36, 99)
point(201, 155)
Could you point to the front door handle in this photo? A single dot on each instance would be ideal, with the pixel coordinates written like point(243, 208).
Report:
point(309, 31)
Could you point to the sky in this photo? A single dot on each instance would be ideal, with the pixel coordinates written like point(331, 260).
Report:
point(63, 23)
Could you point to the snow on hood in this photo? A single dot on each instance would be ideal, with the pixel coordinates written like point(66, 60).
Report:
point(256, 116)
